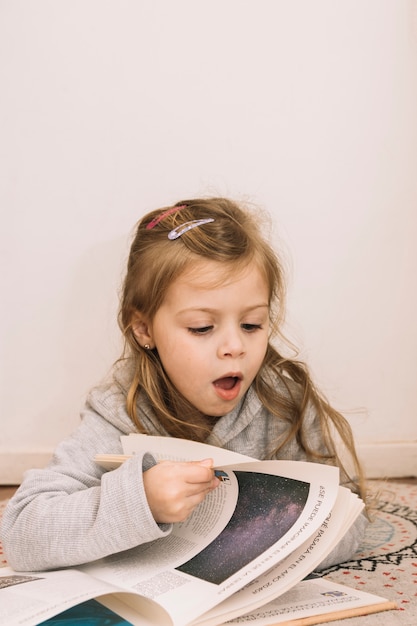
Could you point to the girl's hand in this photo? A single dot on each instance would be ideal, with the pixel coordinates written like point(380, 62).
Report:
point(174, 489)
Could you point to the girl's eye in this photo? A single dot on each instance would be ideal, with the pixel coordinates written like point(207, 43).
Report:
point(200, 331)
point(250, 328)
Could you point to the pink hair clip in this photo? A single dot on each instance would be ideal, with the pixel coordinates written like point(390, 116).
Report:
point(160, 217)
point(183, 228)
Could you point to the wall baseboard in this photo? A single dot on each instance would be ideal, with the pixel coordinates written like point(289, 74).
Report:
point(389, 460)
point(14, 465)
point(380, 460)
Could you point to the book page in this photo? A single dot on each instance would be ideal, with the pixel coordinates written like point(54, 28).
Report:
point(290, 570)
point(31, 598)
point(169, 449)
point(176, 449)
point(269, 516)
point(274, 512)
point(313, 598)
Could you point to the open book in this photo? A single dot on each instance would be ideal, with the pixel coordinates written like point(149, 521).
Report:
point(253, 539)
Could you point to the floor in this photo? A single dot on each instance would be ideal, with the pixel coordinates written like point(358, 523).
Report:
point(6, 492)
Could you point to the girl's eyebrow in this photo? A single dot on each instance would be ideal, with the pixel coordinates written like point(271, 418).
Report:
point(199, 309)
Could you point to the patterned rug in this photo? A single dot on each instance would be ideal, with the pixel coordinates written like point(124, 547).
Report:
point(387, 561)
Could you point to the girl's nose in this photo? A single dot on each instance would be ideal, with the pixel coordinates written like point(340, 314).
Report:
point(232, 345)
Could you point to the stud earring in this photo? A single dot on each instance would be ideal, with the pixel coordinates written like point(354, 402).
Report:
point(147, 346)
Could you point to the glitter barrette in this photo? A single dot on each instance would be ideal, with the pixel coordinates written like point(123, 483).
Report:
point(183, 228)
point(161, 216)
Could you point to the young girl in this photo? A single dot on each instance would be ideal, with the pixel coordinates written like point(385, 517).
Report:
point(203, 297)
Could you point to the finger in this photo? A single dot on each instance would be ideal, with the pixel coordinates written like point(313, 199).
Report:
point(202, 487)
point(200, 471)
point(205, 463)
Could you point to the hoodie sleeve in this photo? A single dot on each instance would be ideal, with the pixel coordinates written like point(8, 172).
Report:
point(72, 511)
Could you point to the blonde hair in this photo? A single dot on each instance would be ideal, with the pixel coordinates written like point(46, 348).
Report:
point(233, 238)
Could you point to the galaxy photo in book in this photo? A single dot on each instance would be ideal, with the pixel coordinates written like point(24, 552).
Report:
point(266, 509)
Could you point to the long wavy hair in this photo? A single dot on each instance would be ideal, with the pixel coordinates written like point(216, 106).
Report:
point(235, 239)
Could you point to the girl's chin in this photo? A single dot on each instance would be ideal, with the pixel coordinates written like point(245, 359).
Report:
point(217, 410)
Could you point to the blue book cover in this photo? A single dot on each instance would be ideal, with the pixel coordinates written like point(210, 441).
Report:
point(90, 613)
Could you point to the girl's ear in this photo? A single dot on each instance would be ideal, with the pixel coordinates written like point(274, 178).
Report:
point(141, 330)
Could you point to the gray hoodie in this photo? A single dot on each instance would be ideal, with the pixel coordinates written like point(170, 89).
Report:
point(73, 511)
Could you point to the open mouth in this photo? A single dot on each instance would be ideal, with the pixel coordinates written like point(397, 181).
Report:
point(227, 382)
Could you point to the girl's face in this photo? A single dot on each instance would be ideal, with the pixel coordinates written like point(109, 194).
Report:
point(212, 335)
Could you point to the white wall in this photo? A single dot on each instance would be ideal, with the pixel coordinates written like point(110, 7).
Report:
point(110, 109)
